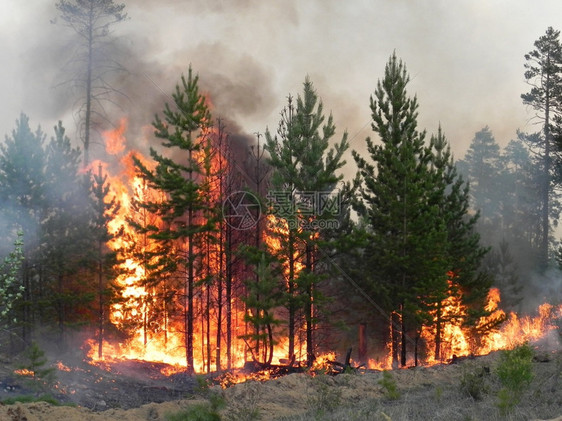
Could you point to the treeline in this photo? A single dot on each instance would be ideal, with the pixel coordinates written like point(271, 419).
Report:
point(239, 255)
point(517, 189)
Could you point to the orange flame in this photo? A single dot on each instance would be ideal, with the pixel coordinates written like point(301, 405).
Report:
point(157, 335)
point(115, 140)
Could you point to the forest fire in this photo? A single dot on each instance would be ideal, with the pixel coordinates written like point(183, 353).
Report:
point(144, 310)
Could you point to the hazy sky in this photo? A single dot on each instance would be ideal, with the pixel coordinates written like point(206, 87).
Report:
point(465, 58)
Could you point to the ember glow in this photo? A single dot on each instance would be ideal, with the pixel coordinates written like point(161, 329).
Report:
point(24, 372)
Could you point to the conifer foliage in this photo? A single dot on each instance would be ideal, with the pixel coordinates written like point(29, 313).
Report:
point(414, 208)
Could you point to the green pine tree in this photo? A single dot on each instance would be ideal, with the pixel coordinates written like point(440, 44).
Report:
point(262, 300)
point(64, 232)
point(304, 178)
point(482, 166)
point(181, 180)
point(407, 254)
point(22, 194)
point(464, 254)
point(104, 260)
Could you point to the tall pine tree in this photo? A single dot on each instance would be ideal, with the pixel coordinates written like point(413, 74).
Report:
point(304, 177)
point(415, 210)
point(180, 176)
point(543, 72)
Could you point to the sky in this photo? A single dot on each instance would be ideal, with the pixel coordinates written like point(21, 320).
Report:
point(465, 59)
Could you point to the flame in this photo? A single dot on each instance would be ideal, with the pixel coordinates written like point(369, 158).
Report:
point(460, 341)
point(24, 372)
point(115, 141)
point(60, 366)
point(145, 311)
point(148, 312)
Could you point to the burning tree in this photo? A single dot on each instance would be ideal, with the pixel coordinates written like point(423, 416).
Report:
point(104, 259)
point(183, 208)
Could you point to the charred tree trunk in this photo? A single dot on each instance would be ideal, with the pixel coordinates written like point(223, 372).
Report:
point(362, 343)
point(403, 340)
point(394, 337)
point(291, 286)
point(438, 332)
point(308, 307)
point(228, 296)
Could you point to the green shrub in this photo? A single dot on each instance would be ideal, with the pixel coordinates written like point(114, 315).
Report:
point(389, 386)
point(515, 372)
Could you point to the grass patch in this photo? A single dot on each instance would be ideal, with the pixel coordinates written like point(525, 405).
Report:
point(32, 398)
point(515, 372)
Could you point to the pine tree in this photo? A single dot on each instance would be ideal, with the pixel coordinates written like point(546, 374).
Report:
point(482, 167)
point(407, 254)
point(464, 254)
point(304, 177)
point(521, 217)
point(91, 20)
point(262, 300)
point(104, 260)
point(64, 230)
point(543, 72)
point(180, 180)
point(22, 194)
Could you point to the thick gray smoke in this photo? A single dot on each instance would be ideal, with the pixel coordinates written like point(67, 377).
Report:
point(465, 60)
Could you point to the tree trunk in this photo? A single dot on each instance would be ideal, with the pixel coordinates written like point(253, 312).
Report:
point(394, 337)
point(189, 302)
point(403, 339)
point(438, 333)
point(308, 308)
point(362, 343)
point(228, 296)
point(546, 176)
point(292, 308)
point(100, 302)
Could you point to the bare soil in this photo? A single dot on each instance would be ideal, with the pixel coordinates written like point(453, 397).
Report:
point(138, 391)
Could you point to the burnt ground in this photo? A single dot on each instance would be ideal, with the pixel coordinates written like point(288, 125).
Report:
point(125, 384)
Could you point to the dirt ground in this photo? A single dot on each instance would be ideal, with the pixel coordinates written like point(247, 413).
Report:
point(425, 393)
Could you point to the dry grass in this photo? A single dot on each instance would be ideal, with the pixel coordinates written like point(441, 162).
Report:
point(426, 393)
